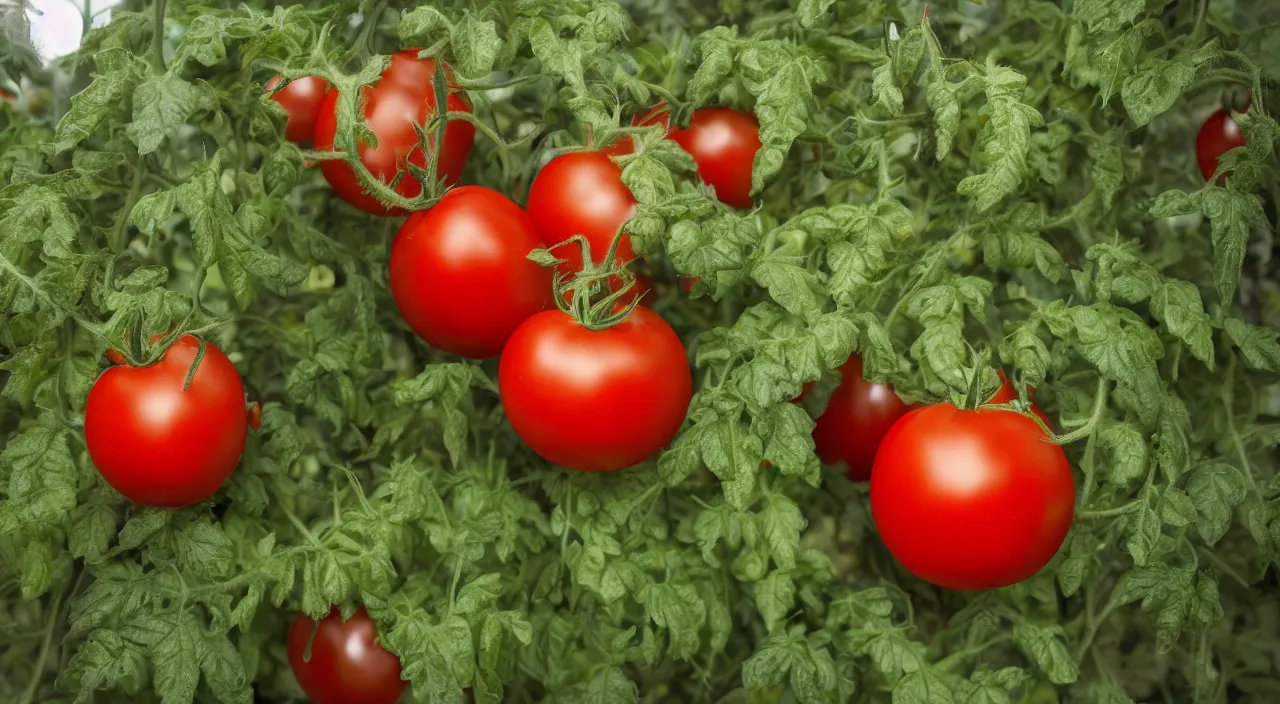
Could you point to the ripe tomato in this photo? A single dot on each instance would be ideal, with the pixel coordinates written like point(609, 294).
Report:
point(404, 96)
point(1218, 135)
point(160, 444)
point(6, 95)
point(302, 99)
point(723, 143)
point(1007, 394)
point(856, 420)
point(971, 500)
point(347, 664)
point(581, 193)
point(255, 415)
point(595, 400)
point(460, 272)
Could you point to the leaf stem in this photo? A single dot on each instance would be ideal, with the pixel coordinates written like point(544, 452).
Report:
point(1099, 405)
point(157, 39)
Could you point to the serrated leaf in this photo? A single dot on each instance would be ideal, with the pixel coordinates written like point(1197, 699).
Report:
point(1045, 647)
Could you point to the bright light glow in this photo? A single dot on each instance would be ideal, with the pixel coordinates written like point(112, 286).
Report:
point(56, 24)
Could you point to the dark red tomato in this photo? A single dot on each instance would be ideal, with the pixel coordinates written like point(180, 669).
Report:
point(460, 272)
point(161, 445)
point(255, 415)
point(6, 95)
point(347, 665)
point(1218, 135)
point(595, 401)
point(688, 282)
point(302, 99)
point(971, 500)
point(657, 115)
point(1007, 394)
point(856, 420)
point(581, 193)
point(403, 97)
point(723, 143)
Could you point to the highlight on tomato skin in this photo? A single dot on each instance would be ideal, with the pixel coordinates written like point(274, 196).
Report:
point(1218, 135)
point(302, 99)
point(163, 441)
point(998, 498)
point(723, 143)
point(346, 663)
point(460, 272)
point(595, 400)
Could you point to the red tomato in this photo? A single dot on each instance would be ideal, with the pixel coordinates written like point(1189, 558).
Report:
point(115, 357)
point(688, 282)
point(1218, 135)
point(161, 445)
point(595, 401)
point(1007, 394)
point(723, 143)
point(657, 115)
point(404, 96)
point(302, 99)
point(255, 415)
point(971, 500)
point(6, 95)
point(460, 272)
point(581, 193)
point(856, 420)
point(347, 664)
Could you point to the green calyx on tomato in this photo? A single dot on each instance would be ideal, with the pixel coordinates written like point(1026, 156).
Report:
point(579, 294)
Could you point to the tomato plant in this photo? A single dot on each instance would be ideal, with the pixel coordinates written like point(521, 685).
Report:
point(302, 99)
point(1218, 135)
point(460, 272)
point(595, 400)
point(1007, 393)
point(402, 100)
point(855, 421)
point(341, 662)
point(163, 435)
point(971, 500)
point(723, 143)
point(581, 193)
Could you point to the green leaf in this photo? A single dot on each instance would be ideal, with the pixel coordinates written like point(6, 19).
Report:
point(1231, 216)
point(161, 104)
point(1155, 87)
point(922, 687)
point(1257, 344)
point(775, 597)
point(1143, 529)
point(1177, 305)
point(780, 524)
point(101, 98)
point(1045, 647)
point(677, 608)
point(475, 45)
point(1106, 15)
point(1127, 453)
point(40, 480)
point(1005, 141)
point(810, 11)
point(1216, 489)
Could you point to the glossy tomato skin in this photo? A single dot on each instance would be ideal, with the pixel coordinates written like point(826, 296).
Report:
point(723, 143)
point(460, 272)
point(347, 665)
point(404, 96)
point(857, 418)
point(581, 193)
point(1218, 135)
point(161, 445)
point(971, 499)
point(302, 99)
point(657, 115)
point(595, 401)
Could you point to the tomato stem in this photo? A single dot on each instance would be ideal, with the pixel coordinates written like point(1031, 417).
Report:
point(584, 284)
point(195, 364)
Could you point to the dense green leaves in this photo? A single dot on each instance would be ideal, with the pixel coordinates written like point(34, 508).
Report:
point(942, 192)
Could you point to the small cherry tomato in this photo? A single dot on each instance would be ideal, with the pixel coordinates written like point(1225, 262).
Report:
point(460, 272)
point(255, 416)
point(581, 193)
point(403, 98)
point(723, 143)
point(1218, 135)
point(347, 664)
point(161, 444)
point(856, 420)
point(302, 99)
point(971, 499)
point(595, 400)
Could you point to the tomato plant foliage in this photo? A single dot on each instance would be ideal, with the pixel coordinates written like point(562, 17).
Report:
point(943, 191)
